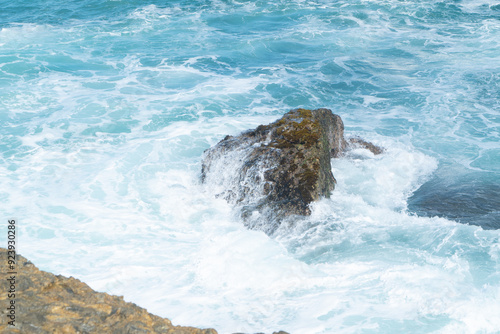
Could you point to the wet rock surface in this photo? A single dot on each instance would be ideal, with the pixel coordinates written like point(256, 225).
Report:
point(358, 142)
point(277, 170)
point(46, 303)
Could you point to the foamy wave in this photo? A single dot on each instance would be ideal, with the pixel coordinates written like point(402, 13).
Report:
point(25, 33)
point(386, 180)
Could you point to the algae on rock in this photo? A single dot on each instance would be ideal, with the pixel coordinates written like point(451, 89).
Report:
point(277, 170)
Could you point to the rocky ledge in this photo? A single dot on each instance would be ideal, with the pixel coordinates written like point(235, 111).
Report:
point(46, 303)
point(277, 170)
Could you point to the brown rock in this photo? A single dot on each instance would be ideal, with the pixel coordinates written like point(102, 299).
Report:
point(274, 172)
point(46, 303)
point(358, 142)
point(277, 170)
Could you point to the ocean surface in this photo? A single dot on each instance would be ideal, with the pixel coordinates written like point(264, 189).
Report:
point(106, 108)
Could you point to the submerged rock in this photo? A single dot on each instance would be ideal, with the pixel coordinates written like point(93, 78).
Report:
point(277, 170)
point(358, 142)
point(46, 303)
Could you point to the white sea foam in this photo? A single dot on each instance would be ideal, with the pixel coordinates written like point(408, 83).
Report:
point(20, 33)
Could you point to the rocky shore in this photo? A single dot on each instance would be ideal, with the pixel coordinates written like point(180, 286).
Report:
point(48, 303)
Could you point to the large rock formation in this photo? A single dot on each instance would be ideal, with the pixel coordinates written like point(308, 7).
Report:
point(277, 170)
point(46, 303)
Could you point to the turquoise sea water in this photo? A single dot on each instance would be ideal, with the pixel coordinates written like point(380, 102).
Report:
point(106, 108)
